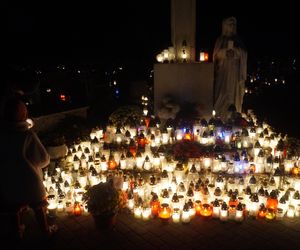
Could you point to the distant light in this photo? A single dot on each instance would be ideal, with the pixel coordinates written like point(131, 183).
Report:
point(27, 103)
point(115, 83)
point(145, 112)
point(78, 71)
point(251, 80)
point(30, 122)
point(48, 90)
point(114, 72)
point(203, 56)
point(160, 58)
point(62, 97)
point(117, 92)
point(120, 68)
point(246, 90)
point(275, 79)
point(213, 113)
point(283, 81)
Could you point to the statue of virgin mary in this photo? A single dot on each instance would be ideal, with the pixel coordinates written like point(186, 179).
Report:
point(230, 69)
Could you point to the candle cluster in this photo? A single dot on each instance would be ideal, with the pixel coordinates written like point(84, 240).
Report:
point(234, 171)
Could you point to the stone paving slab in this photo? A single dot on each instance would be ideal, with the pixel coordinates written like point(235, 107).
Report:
point(130, 233)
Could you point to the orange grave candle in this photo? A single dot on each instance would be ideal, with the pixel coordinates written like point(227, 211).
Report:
point(77, 209)
point(164, 212)
point(154, 204)
point(272, 201)
point(206, 210)
point(198, 207)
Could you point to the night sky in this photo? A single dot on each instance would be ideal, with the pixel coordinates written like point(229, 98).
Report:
point(132, 33)
point(114, 31)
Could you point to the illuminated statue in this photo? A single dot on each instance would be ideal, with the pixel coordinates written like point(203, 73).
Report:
point(230, 63)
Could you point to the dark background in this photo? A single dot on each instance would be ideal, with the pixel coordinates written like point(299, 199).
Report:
point(131, 33)
point(137, 30)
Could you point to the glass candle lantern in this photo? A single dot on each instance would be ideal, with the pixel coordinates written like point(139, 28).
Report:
point(139, 160)
point(164, 180)
point(253, 184)
point(77, 210)
point(239, 214)
point(165, 198)
point(290, 212)
point(112, 164)
point(279, 214)
point(164, 212)
point(154, 204)
point(123, 162)
point(82, 179)
point(224, 212)
point(262, 212)
point(216, 209)
point(146, 213)
point(233, 201)
point(217, 193)
point(220, 182)
point(198, 207)
point(156, 161)
point(52, 206)
point(206, 210)
point(254, 205)
point(130, 201)
point(176, 215)
point(175, 201)
point(272, 201)
point(295, 201)
point(179, 172)
point(231, 212)
point(181, 190)
point(192, 208)
point(60, 206)
point(186, 214)
point(190, 194)
point(103, 163)
point(69, 207)
point(137, 211)
point(270, 214)
point(283, 204)
point(147, 163)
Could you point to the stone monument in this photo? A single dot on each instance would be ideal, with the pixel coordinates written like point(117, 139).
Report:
point(183, 79)
point(230, 67)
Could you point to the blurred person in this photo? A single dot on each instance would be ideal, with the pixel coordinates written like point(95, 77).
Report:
point(23, 157)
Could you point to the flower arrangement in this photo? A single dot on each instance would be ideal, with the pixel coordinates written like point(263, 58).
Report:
point(189, 149)
point(102, 199)
point(126, 115)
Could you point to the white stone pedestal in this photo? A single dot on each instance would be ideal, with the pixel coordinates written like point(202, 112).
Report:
point(186, 82)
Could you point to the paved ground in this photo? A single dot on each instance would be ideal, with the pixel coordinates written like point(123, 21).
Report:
point(80, 233)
